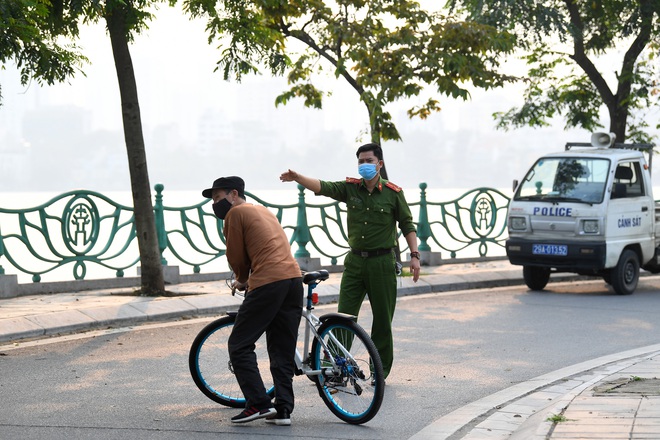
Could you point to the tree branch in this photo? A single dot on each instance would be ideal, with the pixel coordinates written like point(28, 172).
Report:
point(635, 49)
point(581, 58)
point(309, 41)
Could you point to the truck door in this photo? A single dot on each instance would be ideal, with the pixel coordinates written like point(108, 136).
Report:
point(631, 211)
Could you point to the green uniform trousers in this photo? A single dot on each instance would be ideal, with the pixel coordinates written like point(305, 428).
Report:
point(375, 278)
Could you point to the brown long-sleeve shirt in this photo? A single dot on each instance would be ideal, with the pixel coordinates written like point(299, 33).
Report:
point(258, 250)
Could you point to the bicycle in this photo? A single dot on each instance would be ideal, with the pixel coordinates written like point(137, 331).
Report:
point(342, 361)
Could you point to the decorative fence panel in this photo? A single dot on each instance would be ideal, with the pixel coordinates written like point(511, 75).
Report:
point(75, 229)
point(80, 230)
point(476, 221)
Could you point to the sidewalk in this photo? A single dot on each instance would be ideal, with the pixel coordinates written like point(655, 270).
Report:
point(36, 316)
point(614, 397)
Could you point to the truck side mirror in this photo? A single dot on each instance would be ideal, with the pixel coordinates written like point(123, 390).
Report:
point(515, 184)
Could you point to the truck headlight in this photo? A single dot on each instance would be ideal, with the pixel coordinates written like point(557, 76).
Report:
point(590, 226)
point(517, 223)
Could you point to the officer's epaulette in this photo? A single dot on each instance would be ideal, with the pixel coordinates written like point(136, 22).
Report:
point(393, 187)
point(353, 180)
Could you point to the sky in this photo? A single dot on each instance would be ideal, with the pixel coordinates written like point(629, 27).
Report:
point(198, 126)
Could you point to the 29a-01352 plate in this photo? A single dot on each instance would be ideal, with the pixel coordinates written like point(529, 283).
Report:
point(550, 249)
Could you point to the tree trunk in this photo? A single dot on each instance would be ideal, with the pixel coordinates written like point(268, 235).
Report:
point(375, 138)
point(145, 224)
point(374, 131)
point(618, 121)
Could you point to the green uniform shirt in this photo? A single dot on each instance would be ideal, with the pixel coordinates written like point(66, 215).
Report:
point(371, 217)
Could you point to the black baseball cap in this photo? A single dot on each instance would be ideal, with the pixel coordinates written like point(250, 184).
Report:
point(230, 182)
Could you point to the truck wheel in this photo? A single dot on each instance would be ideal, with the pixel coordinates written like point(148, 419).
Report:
point(536, 278)
point(626, 273)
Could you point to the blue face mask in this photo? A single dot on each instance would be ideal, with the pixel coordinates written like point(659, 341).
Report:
point(367, 170)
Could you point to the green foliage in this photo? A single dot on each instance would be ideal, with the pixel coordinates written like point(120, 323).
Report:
point(557, 418)
point(33, 34)
point(549, 94)
point(252, 38)
point(569, 48)
point(313, 98)
point(385, 50)
point(29, 32)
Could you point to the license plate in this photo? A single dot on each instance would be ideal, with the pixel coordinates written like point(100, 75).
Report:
point(549, 249)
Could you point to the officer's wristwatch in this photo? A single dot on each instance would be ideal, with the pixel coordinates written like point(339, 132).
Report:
point(415, 254)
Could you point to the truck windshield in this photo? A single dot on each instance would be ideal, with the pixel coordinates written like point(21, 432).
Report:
point(565, 179)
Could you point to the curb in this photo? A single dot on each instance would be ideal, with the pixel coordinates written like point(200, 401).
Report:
point(96, 318)
point(515, 411)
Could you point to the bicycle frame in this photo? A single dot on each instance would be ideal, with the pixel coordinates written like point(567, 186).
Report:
point(312, 322)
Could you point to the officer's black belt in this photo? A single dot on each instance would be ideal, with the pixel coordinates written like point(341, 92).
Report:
point(374, 253)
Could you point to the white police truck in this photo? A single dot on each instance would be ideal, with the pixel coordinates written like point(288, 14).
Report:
point(587, 210)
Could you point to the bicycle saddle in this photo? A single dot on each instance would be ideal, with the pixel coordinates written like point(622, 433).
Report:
point(315, 276)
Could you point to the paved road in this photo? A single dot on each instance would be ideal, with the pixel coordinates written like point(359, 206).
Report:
point(452, 349)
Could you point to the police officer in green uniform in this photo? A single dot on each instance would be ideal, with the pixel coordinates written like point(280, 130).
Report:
point(374, 207)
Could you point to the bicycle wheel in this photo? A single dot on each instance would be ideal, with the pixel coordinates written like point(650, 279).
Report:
point(354, 392)
point(211, 368)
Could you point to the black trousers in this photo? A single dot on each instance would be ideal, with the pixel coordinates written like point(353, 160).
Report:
point(275, 309)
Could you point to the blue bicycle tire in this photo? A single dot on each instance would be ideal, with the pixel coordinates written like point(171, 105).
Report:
point(211, 369)
point(355, 396)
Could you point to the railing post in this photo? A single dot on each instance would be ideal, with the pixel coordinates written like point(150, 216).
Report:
point(170, 273)
point(160, 222)
point(423, 226)
point(8, 283)
point(2, 252)
point(424, 231)
point(301, 234)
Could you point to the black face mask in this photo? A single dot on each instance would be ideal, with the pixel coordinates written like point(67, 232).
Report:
point(222, 208)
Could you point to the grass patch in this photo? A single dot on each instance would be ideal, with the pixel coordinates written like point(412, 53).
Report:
point(557, 418)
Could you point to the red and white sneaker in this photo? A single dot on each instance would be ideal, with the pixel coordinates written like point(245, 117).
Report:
point(253, 413)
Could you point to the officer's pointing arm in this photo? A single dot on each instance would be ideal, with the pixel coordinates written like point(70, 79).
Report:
point(310, 183)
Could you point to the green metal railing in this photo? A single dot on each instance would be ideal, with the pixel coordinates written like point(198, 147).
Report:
point(477, 219)
point(69, 230)
point(83, 228)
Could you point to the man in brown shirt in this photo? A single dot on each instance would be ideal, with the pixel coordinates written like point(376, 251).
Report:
point(259, 253)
